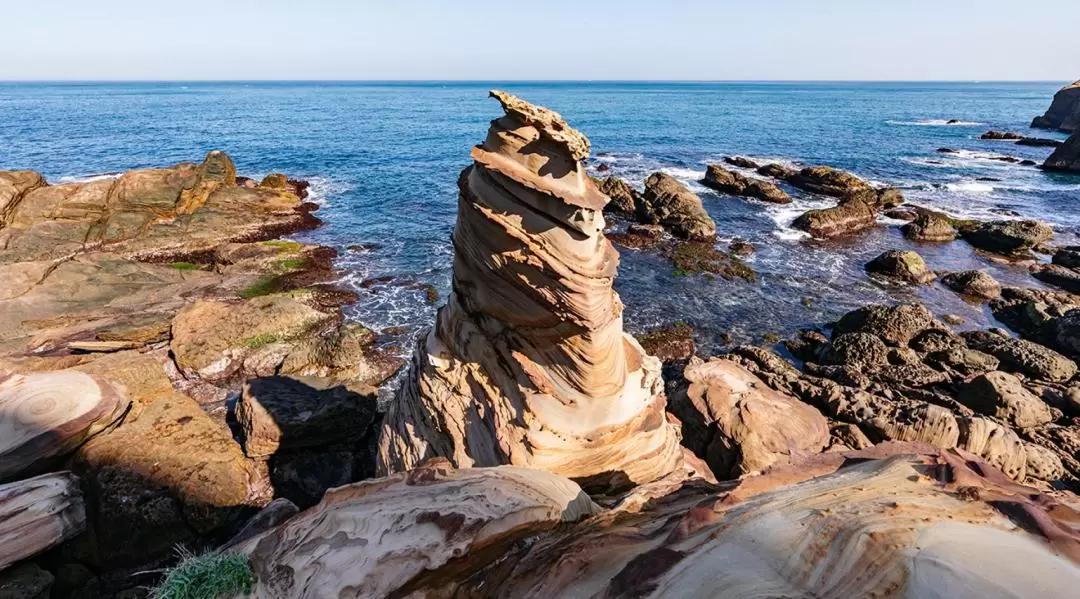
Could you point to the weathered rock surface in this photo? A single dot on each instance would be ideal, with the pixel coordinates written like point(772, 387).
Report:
point(904, 265)
point(1008, 236)
point(377, 538)
point(742, 162)
point(1030, 359)
point(737, 184)
point(738, 425)
point(1002, 395)
point(624, 199)
point(1059, 276)
point(896, 325)
point(1064, 111)
point(973, 283)
point(669, 203)
point(527, 363)
point(1066, 157)
point(46, 415)
point(930, 227)
point(846, 218)
point(39, 513)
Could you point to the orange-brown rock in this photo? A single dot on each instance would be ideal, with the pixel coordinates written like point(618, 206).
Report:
point(528, 363)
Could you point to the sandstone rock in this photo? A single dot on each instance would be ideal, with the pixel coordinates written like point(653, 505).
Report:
point(1042, 463)
point(669, 203)
point(283, 413)
point(973, 283)
point(846, 218)
point(39, 513)
point(903, 265)
point(1008, 236)
point(929, 226)
point(274, 181)
point(742, 162)
point(910, 375)
point(935, 340)
point(344, 353)
point(996, 444)
point(212, 339)
point(1002, 395)
point(1064, 111)
point(374, 538)
point(25, 581)
point(832, 182)
point(896, 325)
point(531, 365)
point(624, 199)
point(1066, 332)
point(14, 185)
point(49, 414)
point(736, 184)
point(1031, 359)
point(738, 425)
point(915, 423)
point(1066, 157)
point(861, 350)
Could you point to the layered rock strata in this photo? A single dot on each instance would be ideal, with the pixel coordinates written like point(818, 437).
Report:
point(527, 363)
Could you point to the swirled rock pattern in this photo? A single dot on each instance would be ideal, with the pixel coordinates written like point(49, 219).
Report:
point(44, 415)
point(527, 363)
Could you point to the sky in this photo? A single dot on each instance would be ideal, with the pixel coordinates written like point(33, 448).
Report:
point(540, 40)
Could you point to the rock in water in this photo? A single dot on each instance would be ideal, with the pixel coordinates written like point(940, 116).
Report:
point(1066, 157)
point(38, 513)
point(737, 184)
point(847, 217)
point(974, 283)
point(45, 415)
point(904, 265)
point(669, 203)
point(372, 539)
point(929, 226)
point(1008, 236)
point(527, 363)
point(1064, 112)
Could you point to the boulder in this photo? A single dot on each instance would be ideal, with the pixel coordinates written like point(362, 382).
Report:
point(914, 423)
point(303, 477)
point(1066, 157)
point(283, 413)
point(1003, 396)
point(962, 361)
point(737, 184)
point(895, 325)
point(996, 444)
point(624, 199)
point(1064, 111)
point(669, 203)
point(276, 512)
point(1043, 464)
point(531, 366)
point(902, 265)
point(1059, 276)
point(37, 514)
point(1039, 142)
point(973, 283)
point(1008, 236)
point(275, 181)
point(48, 414)
point(846, 218)
point(828, 181)
point(372, 539)
point(1028, 358)
point(741, 162)
point(929, 227)
point(777, 171)
point(935, 340)
point(860, 350)
point(1068, 256)
point(739, 425)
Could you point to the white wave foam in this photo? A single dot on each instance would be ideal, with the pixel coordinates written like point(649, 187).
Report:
point(89, 178)
point(323, 189)
point(936, 123)
point(970, 187)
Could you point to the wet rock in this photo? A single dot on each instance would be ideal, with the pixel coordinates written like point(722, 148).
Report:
point(669, 203)
point(694, 257)
point(889, 197)
point(669, 343)
point(1031, 359)
point(903, 214)
point(1039, 142)
point(1007, 135)
point(624, 199)
point(860, 350)
point(1003, 396)
point(25, 581)
point(638, 236)
point(1058, 276)
point(902, 265)
point(742, 162)
point(973, 283)
point(1008, 237)
point(846, 218)
point(738, 425)
point(1064, 111)
point(777, 171)
point(896, 325)
point(930, 227)
point(737, 184)
point(741, 248)
point(996, 444)
point(1068, 256)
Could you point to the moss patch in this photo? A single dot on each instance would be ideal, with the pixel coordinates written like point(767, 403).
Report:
point(259, 340)
point(184, 266)
point(699, 257)
point(208, 576)
point(284, 246)
point(266, 285)
point(291, 264)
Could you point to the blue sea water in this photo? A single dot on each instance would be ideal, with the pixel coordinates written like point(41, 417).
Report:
point(384, 158)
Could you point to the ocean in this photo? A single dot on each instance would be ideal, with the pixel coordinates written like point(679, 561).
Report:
point(383, 159)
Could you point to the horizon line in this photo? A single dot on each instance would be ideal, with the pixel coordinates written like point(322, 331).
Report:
point(464, 81)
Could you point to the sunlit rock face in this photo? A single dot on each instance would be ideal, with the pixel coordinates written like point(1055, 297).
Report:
point(527, 363)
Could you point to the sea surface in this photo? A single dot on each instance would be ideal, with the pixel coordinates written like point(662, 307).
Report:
point(384, 158)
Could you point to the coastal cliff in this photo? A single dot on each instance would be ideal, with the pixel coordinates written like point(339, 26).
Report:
point(1064, 111)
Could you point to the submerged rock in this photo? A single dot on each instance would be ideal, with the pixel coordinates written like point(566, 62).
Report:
point(737, 184)
point(903, 265)
point(1064, 111)
point(531, 365)
point(669, 203)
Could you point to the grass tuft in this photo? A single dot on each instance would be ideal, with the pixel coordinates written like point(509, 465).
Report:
point(207, 576)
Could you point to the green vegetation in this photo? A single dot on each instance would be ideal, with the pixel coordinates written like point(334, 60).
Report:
point(266, 285)
point(284, 246)
point(291, 264)
point(259, 340)
point(207, 576)
point(184, 266)
point(700, 257)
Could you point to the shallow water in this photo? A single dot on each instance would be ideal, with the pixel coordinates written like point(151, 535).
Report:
point(384, 159)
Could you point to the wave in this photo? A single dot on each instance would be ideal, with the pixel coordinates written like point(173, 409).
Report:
point(322, 189)
point(936, 123)
point(89, 178)
point(970, 187)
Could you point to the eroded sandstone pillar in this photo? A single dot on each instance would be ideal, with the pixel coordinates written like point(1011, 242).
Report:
point(527, 363)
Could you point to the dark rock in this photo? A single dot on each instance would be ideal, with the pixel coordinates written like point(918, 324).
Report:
point(846, 218)
point(1031, 359)
point(1064, 111)
point(890, 197)
point(303, 477)
point(1058, 276)
point(737, 184)
point(1008, 135)
point(669, 343)
point(276, 512)
point(638, 236)
point(935, 340)
point(624, 199)
point(602, 167)
point(742, 162)
point(895, 325)
point(973, 283)
point(1068, 256)
point(1003, 396)
point(1008, 236)
point(25, 581)
point(947, 151)
point(777, 171)
point(929, 226)
point(901, 214)
point(1067, 157)
point(693, 257)
point(741, 248)
point(669, 203)
point(1028, 163)
point(860, 350)
point(1039, 142)
point(902, 265)
point(1066, 332)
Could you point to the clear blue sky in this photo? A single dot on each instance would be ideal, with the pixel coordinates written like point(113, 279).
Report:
point(541, 39)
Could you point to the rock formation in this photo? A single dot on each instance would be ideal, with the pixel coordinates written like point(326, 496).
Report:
point(903, 265)
point(737, 184)
point(527, 363)
point(38, 513)
point(929, 226)
point(1064, 111)
point(669, 203)
point(1008, 237)
point(1067, 156)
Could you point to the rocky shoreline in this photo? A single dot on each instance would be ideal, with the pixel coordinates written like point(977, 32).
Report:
point(191, 381)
